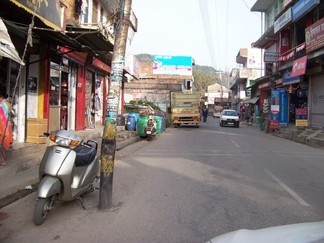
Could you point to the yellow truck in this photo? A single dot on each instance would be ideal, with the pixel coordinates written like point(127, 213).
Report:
point(185, 108)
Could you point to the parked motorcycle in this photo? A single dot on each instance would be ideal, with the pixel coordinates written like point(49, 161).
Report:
point(150, 130)
point(67, 171)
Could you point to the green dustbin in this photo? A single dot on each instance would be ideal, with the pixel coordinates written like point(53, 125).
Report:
point(141, 125)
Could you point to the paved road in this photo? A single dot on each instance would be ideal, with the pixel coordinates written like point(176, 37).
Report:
point(189, 185)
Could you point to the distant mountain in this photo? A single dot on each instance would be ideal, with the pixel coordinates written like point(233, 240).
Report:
point(144, 57)
point(205, 69)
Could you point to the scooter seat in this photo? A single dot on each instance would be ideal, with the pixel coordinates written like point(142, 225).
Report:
point(84, 155)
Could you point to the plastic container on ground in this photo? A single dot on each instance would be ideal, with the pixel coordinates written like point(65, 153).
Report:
point(158, 120)
point(163, 123)
point(132, 121)
point(141, 125)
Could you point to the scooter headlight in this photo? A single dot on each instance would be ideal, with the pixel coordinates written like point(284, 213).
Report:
point(63, 141)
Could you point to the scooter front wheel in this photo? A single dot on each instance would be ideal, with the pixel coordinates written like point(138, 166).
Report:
point(43, 206)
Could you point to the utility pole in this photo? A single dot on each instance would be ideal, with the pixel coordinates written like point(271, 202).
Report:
point(108, 146)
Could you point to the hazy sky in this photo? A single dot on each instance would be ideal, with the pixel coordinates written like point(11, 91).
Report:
point(176, 28)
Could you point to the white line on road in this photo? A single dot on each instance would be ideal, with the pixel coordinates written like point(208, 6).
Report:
point(291, 192)
point(235, 144)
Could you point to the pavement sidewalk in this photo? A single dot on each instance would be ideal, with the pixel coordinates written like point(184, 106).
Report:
point(309, 136)
point(20, 176)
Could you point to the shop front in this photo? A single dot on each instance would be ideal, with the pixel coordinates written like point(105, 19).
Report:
point(264, 104)
point(295, 83)
point(96, 93)
point(96, 87)
point(317, 101)
point(315, 52)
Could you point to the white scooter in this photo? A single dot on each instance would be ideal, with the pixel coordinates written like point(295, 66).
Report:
point(67, 171)
point(150, 130)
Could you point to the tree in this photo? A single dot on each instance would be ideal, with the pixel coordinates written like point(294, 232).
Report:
point(204, 76)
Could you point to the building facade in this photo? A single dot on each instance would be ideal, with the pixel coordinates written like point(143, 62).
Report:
point(291, 90)
point(245, 99)
point(67, 47)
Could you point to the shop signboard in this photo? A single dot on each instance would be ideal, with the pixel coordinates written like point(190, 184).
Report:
point(264, 85)
point(299, 67)
point(287, 79)
point(301, 117)
point(302, 7)
point(286, 3)
point(282, 21)
point(47, 11)
point(314, 36)
point(271, 57)
point(274, 124)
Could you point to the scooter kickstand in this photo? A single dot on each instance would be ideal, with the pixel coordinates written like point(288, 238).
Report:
point(82, 202)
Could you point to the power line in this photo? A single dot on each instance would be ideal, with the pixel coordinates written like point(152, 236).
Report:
point(226, 35)
point(208, 33)
point(246, 4)
point(216, 30)
point(206, 23)
point(249, 8)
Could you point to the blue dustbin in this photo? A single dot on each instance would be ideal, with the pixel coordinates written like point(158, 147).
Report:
point(158, 120)
point(132, 121)
point(163, 122)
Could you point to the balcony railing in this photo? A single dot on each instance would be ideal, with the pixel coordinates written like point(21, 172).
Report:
point(105, 29)
point(292, 54)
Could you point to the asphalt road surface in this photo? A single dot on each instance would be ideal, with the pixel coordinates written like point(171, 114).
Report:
point(188, 185)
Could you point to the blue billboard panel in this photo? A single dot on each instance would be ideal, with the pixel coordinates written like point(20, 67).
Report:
point(172, 65)
point(283, 102)
point(279, 99)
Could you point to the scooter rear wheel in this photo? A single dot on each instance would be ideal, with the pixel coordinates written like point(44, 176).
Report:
point(43, 206)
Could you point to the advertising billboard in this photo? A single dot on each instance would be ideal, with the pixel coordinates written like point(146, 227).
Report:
point(279, 104)
point(172, 65)
point(254, 59)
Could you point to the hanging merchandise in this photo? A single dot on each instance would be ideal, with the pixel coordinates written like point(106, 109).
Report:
point(265, 106)
point(291, 89)
point(96, 102)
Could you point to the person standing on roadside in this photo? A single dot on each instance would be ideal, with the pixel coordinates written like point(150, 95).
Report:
point(5, 126)
point(205, 113)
